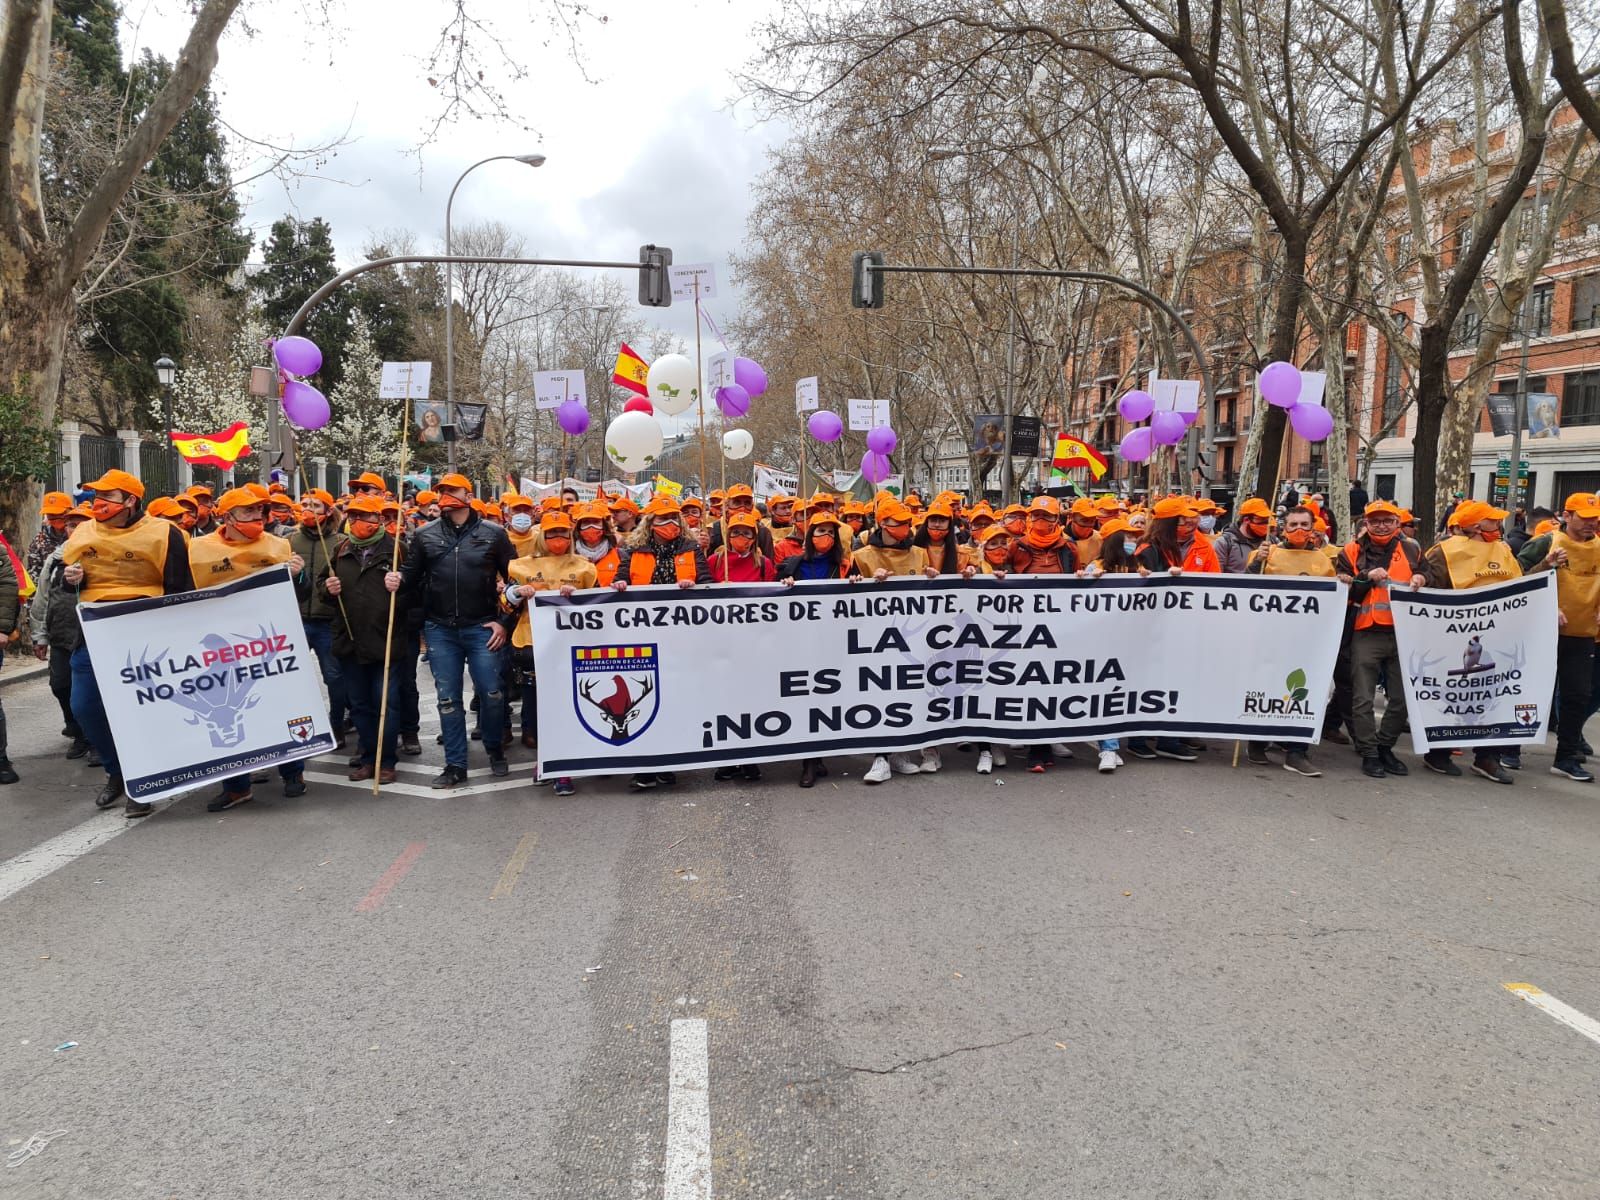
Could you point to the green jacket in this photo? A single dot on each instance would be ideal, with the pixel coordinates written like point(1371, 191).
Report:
point(361, 610)
point(315, 604)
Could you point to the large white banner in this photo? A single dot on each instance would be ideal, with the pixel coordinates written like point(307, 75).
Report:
point(662, 679)
point(209, 684)
point(1480, 665)
point(769, 482)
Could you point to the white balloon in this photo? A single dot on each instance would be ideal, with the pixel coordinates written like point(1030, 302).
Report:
point(672, 384)
point(737, 443)
point(633, 441)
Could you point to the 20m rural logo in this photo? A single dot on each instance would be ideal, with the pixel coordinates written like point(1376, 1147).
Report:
point(1294, 701)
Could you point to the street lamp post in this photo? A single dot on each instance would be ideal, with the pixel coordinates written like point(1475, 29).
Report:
point(532, 160)
point(166, 375)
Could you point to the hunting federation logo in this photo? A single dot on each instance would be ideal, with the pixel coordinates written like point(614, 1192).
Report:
point(614, 690)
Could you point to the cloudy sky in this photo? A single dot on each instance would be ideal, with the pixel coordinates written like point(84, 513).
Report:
point(652, 147)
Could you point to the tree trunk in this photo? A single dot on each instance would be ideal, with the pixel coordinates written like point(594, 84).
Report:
point(1258, 474)
point(1338, 443)
point(33, 342)
point(1460, 422)
point(1433, 395)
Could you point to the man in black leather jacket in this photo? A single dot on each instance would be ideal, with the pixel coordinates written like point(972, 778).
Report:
point(453, 569)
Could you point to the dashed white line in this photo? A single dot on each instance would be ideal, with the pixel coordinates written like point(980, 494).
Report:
point(688, 1167)
point(1550, 1006)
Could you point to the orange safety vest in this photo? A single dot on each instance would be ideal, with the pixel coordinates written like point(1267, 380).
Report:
point(1375, 608)
point(606, 568)
point(642, 566)
point(120, 564)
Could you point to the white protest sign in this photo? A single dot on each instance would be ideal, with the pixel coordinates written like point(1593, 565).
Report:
point(650, 680)
point(719, 371)
point(805, 395)
point(552, 389)
point(867, 414)
point(769, 482)
point(1479, 664)
point(404, 380)
point(684, 277)
point(1313, 385)
point(1175, 395)
point(202, 686)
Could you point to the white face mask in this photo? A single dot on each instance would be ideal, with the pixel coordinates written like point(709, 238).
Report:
point(522, 522)
point(1207, 524)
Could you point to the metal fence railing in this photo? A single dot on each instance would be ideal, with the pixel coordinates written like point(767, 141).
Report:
point(97, 455)
point(153, 470)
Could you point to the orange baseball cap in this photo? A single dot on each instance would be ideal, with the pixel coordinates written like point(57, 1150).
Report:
point(742, 521)
point(940, 508)
point(1380, 506)
point(371, 505)
point(740, 489)
point(1255, 507)
point(625, 504)
point(1116, 525)
point(1108, 503)
point(118, 481)
point(1085, 507)
point(513, 500)
point(1045, 504)
point(493, 510)
point(716, 495)
point(691, 502)
point(994, 531)
point(427, 497)
point(1173, 506)
point(240, 497)
point(555, 520)
point(161, 506)
point(55, 504)
point(200, 489)
point(370, 479)
point(894, 510)
point(449, 481)
point(1583, 504)
point(663, 506)
point(1472, 512)
point(321, 495)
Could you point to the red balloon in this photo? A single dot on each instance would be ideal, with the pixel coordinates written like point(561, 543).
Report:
point(639, 404)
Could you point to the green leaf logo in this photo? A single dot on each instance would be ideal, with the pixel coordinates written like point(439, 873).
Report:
point(1296, 680)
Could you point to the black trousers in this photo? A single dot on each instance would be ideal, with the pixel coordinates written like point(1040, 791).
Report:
point(1574, 679)
point(61, 687)
point(1338, 711)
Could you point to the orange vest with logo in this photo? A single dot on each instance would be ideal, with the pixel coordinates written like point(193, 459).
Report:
point(120, 564)
point(544, 574)
point(1286, 560)
point(1375, 609)
point(214, 561)
point(1475, 563)
point(642, 566)
point(1577, 584)
point(606, 568)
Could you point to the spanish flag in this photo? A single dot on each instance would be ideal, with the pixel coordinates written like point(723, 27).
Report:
point(631, 371)
point(215, 449)
point(1071, 452)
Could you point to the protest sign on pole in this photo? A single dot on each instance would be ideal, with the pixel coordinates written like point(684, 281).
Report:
point(552, 389)
point(805, 395)
point(404, 380)
point(205, 685)
point(1480, 664)
point(867, 414)
point(659, 679)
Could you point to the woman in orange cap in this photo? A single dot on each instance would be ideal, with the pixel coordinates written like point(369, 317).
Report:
point(1173, 542)
point(824, 555)
point(1083, 527)
point(52, 533)
point(741, 560)
point(596, 541)
point(938, 537)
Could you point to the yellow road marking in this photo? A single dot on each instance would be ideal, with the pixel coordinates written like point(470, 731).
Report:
point(518, 860)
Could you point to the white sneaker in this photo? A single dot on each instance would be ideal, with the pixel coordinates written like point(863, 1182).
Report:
point(879, 771)
point(904, 764)
point(931, 762)
point(998, 753)
point(985, 762)
point(1061, 749)
point(1109, 761)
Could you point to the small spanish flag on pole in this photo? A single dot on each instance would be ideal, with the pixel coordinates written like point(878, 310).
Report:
point(215, 449)
point(631, 371)
point(1071, 452)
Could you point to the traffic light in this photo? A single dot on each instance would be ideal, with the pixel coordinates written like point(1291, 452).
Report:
point(866, 286)
point(655, 289)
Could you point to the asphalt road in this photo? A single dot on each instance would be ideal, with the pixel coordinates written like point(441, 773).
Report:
point(1178, 981)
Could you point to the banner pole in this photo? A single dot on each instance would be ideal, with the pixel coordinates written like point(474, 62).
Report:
point(304, 488)
point(388, 640)
point(700, 381)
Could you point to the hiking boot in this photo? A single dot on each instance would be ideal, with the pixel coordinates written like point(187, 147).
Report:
point(79, 748)
point(1256, 754)
point(111, 793)
point(138, 808)
point(409, 744)
point(1490, 768)
point(450, 777)
point(1440, 762)
point(225, 800)
point(361, 772)
point(1391, 764)
point(1372, 767)
point(1296, 761)
point(8, 773)
point(387, 775)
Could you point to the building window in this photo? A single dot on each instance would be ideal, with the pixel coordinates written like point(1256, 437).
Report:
point(1542, 301)
point(1581, 399)
point(1586, 302)
point(1394, 401)
point(1383, 487)
point(1469, 327)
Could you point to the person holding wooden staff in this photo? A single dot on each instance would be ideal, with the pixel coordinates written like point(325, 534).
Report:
point(357, 579)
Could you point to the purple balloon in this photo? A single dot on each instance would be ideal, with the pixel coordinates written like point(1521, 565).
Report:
point(825, 426)
point(1167, 428)
point(749, 375)
point(573, 418)
point(305, 407)
point(1279, 384)
point(875, 468)
point(882, 440)
point(1136, 406)
point(1311, 421)
point(298, 356)
point(1137, 444)
point(733, 400)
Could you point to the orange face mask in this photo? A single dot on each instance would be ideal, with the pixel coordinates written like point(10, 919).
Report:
point(590, 535)
point(823, 541)
point(188, 520)
point(1015, 526)
point(1383, 539)
point(1255, 528)
point(361, 530)
point(667, 531)
point(247, 531)
point(557, 543)
point(1298, 537)
point(1081, 531)
point(693, 522)
point(107, 510)
point(997, 554)
point(936, 534)
point(1490, 535)
point(447, 501)
point(1041, 534)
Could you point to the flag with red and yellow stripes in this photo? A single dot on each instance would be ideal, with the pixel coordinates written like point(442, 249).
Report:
point(1073, 452)
point(631, 371)
point(214, 449)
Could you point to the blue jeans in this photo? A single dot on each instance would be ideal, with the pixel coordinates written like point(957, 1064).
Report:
point(320, 634)
point(451, 653)
point(364, 687)
point(90, 711)
point(1111, 744)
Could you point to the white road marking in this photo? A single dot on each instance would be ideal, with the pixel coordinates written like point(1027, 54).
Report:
point(1550, 1006)
point(688, 1169)
point(33, 865)
point(421, 789)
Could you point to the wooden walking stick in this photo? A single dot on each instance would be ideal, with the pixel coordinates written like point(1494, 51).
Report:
point(388, 640)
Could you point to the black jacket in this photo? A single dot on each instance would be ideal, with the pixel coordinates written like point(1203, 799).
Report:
point(361, 609)
point(451, 571)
